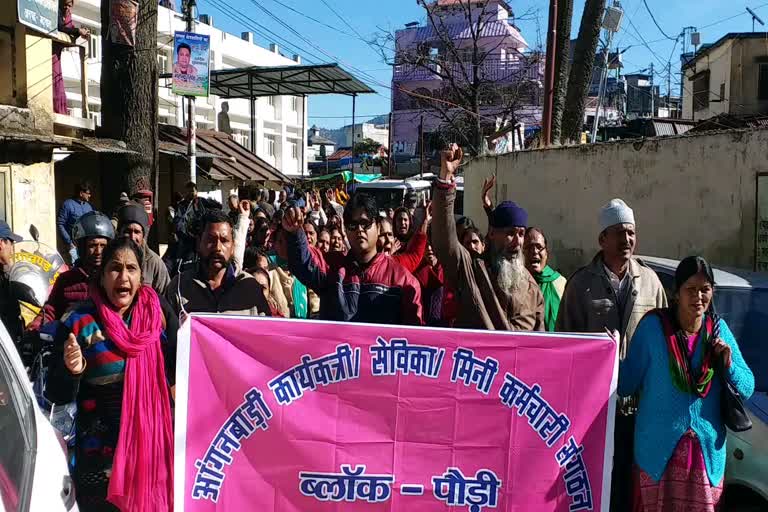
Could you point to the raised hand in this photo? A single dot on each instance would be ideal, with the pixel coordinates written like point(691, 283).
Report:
point(73, 356)
point(450, 160)
point(293, 220)
point(488, 184)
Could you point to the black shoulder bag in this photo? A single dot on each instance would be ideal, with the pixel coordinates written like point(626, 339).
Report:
point(732, 407)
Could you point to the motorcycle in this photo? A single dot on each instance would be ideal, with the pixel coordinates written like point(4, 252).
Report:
point(36, 267)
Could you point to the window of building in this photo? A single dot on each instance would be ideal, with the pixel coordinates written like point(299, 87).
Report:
point(96, 116)
point(722, 92)
point(270, 144)
point(295, 103)
point(162, 62)
point(94, 46)
point(701, 91)
point(294, 149)
point(762, 81)
point(271, 101)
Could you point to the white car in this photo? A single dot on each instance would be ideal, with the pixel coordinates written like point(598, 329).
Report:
point(34, 475)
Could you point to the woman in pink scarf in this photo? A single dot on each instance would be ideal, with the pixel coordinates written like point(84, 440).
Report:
point(112, 362)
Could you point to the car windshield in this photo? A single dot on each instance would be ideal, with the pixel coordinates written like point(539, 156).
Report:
point(386, 197)
point(746, 312)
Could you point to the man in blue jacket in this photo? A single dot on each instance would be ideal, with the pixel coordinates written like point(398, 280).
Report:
point(70, 212)
point(363, 285)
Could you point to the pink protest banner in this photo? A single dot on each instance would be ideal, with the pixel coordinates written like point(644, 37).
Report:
point(298, 416)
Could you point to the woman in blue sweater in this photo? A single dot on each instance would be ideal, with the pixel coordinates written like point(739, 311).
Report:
point(676, 363)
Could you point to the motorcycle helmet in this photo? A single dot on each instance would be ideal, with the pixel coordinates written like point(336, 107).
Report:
point(93, 225)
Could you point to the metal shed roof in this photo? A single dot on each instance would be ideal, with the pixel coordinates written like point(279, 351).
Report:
point(233, 162)
point(255, 81)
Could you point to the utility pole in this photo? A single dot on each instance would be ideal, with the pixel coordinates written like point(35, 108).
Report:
point(192, 127)
point(421, 146)
point(652, 92)
point(611, 23)
point(669, 88)
point(390, 149)
point(549, 75)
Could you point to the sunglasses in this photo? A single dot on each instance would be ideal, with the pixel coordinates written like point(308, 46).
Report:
point(362, 223)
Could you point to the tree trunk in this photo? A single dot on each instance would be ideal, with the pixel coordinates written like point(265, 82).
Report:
point(581, 71)
point(129, 99)
point(562, 65)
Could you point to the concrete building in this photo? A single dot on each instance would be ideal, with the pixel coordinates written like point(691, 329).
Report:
point(33, 139)
point(507, 63)
point(280, 120)
point(377, 132)
point(728, 77)
point(314, 144)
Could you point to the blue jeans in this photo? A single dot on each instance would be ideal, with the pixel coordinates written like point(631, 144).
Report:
point(73, 255)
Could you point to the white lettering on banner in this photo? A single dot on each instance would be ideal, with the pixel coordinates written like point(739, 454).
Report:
point(457, 490)
point(252, 414)
point(339, 366)
point(350, 485)
point(575, 476)
point(398, 357)
point(516, 394)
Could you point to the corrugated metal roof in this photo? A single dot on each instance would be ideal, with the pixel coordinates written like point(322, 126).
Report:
point(238, 164)
point(256, 81)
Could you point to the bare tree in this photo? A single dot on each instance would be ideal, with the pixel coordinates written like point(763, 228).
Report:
point(479, 91)
point(562, 65)
point(129, 97)
point(581, 70)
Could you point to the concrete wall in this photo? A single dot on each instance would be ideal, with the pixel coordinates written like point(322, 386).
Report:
point(32, 193)
point(690, 194)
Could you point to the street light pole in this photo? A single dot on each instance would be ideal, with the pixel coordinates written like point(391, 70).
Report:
point(192, 127)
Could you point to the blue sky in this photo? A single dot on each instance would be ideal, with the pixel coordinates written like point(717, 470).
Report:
point(338, 28)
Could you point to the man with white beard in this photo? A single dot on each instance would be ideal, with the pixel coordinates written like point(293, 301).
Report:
point(494, 290)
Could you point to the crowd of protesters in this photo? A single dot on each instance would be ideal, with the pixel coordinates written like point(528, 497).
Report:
point(324, 254)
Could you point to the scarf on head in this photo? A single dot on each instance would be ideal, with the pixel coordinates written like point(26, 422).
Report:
point(142, 470)
point(546, 282)
point(684, 377)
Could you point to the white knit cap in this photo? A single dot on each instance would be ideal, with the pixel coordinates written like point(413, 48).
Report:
point(616, 212)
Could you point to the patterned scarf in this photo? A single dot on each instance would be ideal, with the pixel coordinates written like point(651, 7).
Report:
point(546, 282)
point(142, 471)
point(680, 362)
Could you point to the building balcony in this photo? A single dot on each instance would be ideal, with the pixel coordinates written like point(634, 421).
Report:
point(494, 70)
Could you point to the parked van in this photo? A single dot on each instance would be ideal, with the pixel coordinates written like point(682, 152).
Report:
point(391, 193)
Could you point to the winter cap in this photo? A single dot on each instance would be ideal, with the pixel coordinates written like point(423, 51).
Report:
point(508, 215)
point(133, 213)
point(615, 212)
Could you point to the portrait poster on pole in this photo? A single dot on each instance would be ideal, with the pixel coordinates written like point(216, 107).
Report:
point(191, 56)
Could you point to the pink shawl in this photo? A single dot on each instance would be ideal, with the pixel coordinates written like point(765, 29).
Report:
point(142, 470)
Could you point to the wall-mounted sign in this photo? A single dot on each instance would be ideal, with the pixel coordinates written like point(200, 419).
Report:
point(40, 15)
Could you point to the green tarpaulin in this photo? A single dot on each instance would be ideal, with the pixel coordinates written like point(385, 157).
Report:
point(347, 175)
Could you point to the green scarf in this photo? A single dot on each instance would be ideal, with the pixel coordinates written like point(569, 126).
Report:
point(551, 298)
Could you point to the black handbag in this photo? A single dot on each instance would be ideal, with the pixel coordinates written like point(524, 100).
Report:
point(732, 409)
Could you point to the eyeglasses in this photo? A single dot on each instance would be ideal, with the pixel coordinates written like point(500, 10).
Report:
point(354, 225)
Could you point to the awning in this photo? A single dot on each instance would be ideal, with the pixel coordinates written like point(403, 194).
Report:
point(87, 144)
point(230, 160)
point(178, 150)
point(255, 81)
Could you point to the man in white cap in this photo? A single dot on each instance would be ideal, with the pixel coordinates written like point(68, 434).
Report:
point(614, 292)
